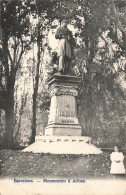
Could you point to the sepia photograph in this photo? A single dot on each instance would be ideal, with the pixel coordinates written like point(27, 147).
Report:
point(62, 97)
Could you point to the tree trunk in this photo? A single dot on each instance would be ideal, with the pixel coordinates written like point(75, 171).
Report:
point(8, 97)
point(35, 93)
point(90, 88)
point(9, 113)
point(34, 116)
point(34, 107)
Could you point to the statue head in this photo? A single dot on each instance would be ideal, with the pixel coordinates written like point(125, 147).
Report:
point(64, 23)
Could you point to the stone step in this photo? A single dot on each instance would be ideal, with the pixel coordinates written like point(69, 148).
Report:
point(62, 148)
point(48, 139)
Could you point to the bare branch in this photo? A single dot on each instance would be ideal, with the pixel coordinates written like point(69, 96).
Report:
point(10, 58)
point(20, 56)
point(23, 48)
point(15, 47)
point(117, 41)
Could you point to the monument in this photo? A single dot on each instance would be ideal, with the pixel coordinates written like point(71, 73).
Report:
point(63, 133)
point(63, 90)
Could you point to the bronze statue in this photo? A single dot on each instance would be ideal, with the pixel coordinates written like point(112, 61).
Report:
point(65, 47)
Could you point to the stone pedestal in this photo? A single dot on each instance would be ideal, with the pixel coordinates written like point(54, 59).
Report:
point(63, 132)
point(63, 119)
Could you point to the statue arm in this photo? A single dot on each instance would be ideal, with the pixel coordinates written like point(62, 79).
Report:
point(71, 39)
point(59, 33)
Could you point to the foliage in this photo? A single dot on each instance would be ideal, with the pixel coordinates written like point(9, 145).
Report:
point(98, 62)
point(15, 24)
point(99, 58)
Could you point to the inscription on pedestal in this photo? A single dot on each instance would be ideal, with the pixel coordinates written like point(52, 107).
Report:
point(63, 91)
point(63, 106)
point(67, 121)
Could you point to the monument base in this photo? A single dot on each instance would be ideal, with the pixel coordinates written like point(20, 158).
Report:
point(63, 145)
point(63, 130)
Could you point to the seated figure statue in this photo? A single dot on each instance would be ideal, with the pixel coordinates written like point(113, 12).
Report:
point(65, 47)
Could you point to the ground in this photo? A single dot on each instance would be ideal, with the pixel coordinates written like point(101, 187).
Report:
point(15, 163)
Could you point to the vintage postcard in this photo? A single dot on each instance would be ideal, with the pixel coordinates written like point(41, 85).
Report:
point(62, 97)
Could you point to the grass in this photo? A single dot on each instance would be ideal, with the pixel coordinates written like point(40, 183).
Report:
point(15, 163)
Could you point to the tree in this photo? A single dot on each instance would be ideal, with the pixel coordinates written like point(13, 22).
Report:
point(99, 56)
point(97, 63)
point(15, 25)
point(118, 23)
point(42, 11)
point(94, 63)
point(91, 23)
